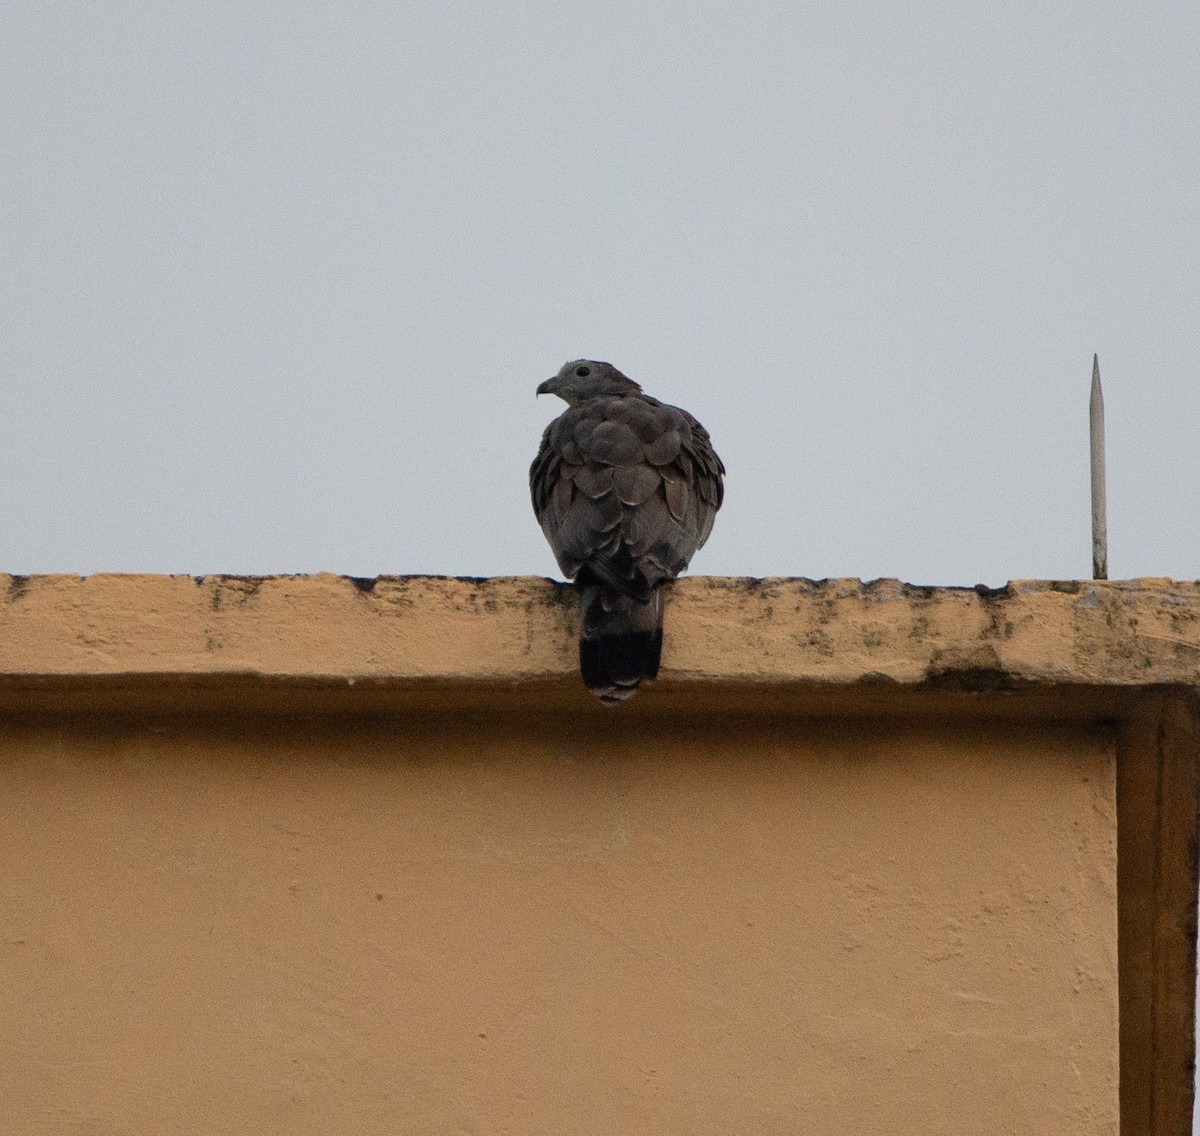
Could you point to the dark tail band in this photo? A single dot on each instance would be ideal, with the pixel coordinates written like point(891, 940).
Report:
point(620, 642)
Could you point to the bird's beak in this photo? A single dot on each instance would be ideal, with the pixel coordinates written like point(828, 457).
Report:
point(549, 386)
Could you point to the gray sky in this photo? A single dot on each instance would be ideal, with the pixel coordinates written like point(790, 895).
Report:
point(279, 279)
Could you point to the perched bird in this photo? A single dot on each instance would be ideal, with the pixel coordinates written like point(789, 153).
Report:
point(625, 489)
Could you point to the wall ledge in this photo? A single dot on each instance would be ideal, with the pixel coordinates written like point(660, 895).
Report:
point(425, 634)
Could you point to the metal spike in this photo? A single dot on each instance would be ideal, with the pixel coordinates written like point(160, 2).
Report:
point(1099, 503)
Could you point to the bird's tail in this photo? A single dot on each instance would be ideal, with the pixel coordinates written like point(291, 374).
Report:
point(620, 641)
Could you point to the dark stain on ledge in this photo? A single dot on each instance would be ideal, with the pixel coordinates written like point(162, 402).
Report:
point(876, 678)
point(975, 680)
point(987, 594)
point(241, 589)
point(365, 584)
point(17, 587)
point(918, 591)
point(930, 591)
point(565, 593)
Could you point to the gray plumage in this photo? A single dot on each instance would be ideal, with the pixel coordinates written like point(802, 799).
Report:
point(625, 488)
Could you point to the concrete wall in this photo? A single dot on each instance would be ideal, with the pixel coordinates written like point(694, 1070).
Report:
point(293, 856)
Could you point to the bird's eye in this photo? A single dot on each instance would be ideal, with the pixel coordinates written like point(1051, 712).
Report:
point(583, 372)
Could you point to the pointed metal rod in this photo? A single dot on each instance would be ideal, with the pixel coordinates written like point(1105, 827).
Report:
point(1099, 504)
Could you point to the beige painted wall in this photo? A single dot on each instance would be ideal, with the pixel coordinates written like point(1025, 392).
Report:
point(514, 927)
point(304, 855)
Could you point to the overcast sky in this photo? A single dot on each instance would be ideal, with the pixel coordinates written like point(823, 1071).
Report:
point(279, 279)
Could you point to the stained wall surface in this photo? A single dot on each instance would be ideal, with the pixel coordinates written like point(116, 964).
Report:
point(536, 924)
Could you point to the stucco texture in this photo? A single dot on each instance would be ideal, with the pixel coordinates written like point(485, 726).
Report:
point(521, 629)
point(455, 926)
point(310, 854)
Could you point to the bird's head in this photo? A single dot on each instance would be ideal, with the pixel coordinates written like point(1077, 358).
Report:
point(582, 379)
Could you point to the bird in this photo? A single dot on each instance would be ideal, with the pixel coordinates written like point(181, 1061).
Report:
point(625, 488)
